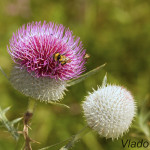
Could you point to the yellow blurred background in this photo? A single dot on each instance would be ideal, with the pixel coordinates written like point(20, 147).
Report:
point(114, 32)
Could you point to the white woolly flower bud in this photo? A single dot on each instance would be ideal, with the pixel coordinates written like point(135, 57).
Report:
point(109, 110)
point(42, 88)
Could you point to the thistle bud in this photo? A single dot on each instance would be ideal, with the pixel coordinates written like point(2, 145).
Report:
point(109, 110)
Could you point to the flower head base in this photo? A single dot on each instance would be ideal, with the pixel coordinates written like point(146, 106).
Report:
point(47, 50)
point(109, 110)
point(43, 89)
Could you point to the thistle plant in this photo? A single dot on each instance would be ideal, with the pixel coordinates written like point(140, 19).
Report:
point(48, 58)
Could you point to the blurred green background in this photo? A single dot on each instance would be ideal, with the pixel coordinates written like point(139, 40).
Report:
point(116, 32)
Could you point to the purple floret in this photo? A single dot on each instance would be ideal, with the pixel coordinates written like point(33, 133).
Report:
point(33, 47)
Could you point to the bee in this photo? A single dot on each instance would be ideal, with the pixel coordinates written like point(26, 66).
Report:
point(86, 56)
point(61, 58)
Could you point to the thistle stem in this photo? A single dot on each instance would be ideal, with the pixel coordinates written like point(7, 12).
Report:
point(27, 117)
point(75, 138)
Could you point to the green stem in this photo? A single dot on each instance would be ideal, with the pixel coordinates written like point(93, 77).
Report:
point(75, 138)
point(31, 105)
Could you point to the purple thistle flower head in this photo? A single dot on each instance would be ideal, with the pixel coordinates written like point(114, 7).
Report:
point(45, 56)
point(47, 50)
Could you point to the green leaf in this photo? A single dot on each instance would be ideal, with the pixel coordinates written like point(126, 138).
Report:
point(2, 71)
point(54, 145)
point(71, 141)
point(9, 125)
point(5, 110)
point(104, 83)
point(84, 76)
point(75, 138)
point(16, 120)
point(143, 118)
point(60, 104)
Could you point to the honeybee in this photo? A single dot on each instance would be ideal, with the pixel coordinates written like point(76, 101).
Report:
point(61, 58)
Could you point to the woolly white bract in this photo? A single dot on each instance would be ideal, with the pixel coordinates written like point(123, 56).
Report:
point(109, 110)
point(42, 88)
